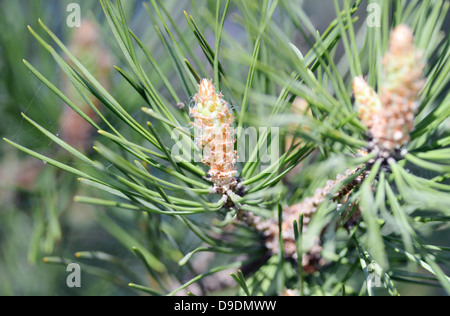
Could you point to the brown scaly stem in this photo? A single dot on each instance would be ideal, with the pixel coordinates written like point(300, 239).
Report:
point(312, 260)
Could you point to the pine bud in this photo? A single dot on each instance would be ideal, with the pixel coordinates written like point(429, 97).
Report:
point(215, 136)
point(401, 84)
point(367, 100)
point(390, 116)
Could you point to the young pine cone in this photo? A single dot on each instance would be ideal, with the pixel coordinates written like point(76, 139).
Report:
point(215, 136)
point(390, 115)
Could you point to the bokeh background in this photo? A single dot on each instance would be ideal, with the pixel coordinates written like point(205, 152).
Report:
point(38, 217)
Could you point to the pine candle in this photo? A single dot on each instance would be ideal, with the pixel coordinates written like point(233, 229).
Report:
point(402, 82)
point(390, 114)
point(215, 136)
point(368, 102)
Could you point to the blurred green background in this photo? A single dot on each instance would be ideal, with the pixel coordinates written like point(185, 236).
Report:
point(38, 217)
